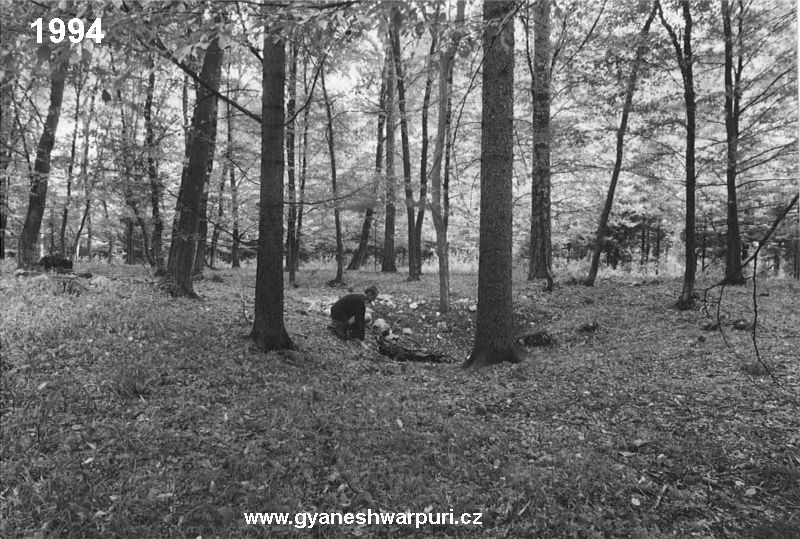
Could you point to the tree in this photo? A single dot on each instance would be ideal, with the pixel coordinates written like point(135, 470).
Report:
point(602, 227)
point(494, 338)
point(394, 38)
point(388, 263)
point(156, 188)
point(685, 58)
point(541, 244)
point(26, 256)
point(269, 331)
point(6, 130)
point(178, 279)
point(291, 219)
point(80, 82)
point(332, 155)
point(733, 96)
point(439, 193)
point(360, 256)
point(423, 153)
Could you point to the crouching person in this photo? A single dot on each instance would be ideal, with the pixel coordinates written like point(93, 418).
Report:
point(348, 313)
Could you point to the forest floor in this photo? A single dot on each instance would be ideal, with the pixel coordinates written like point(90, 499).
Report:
point(126, 413)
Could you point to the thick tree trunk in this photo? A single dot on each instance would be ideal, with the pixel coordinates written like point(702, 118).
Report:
point(156, 188)
point(178, 279)
point(394, 37)
point(26, 256)
point(602, 226)
point(388, 263)
point(291, 221)
point(494, 334)
point(269, 331)
point(329, 137)
point(360, 256)
point(733, 93)
point(541, 246)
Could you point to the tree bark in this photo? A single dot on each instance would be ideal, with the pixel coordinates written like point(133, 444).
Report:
point(178, 279)
point(388, 263)
point(602, 226)
point(685, 59)
point(234, 188)
point(733, 94)
point(494, 337)
point(6, 131)
point(439, 204)
point(394, 37)
point(329, 137)
point(26, 256)
point(212, 255)
point(291, 221)
point(269, 331)
point(156, 188)
point(423, 153)
point(235, 239)
point(541, 246)
point(80, 80)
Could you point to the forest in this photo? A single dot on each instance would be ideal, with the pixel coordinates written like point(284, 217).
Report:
point(437, 268)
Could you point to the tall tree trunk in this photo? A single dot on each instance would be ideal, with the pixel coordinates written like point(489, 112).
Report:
point(360, 256)
point(156, 188)
point(234, 188)
point(178, 279)
point(602, 226)
point(541, 246)
point(494, 334)
point(6, 130)
point(685, 59)
point(733, 94)
point(308, 91)
point(394, 37)
point(291, 220)
point(423, 153)
point(329, 137)
point(439, 204)
point(26, 256)
point(202, 224)
point(234, 219)
point(212, 255)
point(269, 331)
point(86, 218)
point(80, 80)
point(388, 263)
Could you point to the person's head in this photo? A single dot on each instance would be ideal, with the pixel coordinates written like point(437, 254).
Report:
point(371, 293)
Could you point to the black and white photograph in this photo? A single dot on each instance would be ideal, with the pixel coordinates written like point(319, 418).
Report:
point(399, 268)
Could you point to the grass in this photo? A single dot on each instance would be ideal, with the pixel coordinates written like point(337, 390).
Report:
point(129, 414)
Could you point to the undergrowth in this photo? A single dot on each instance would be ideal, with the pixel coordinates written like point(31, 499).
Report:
point(126, 413)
